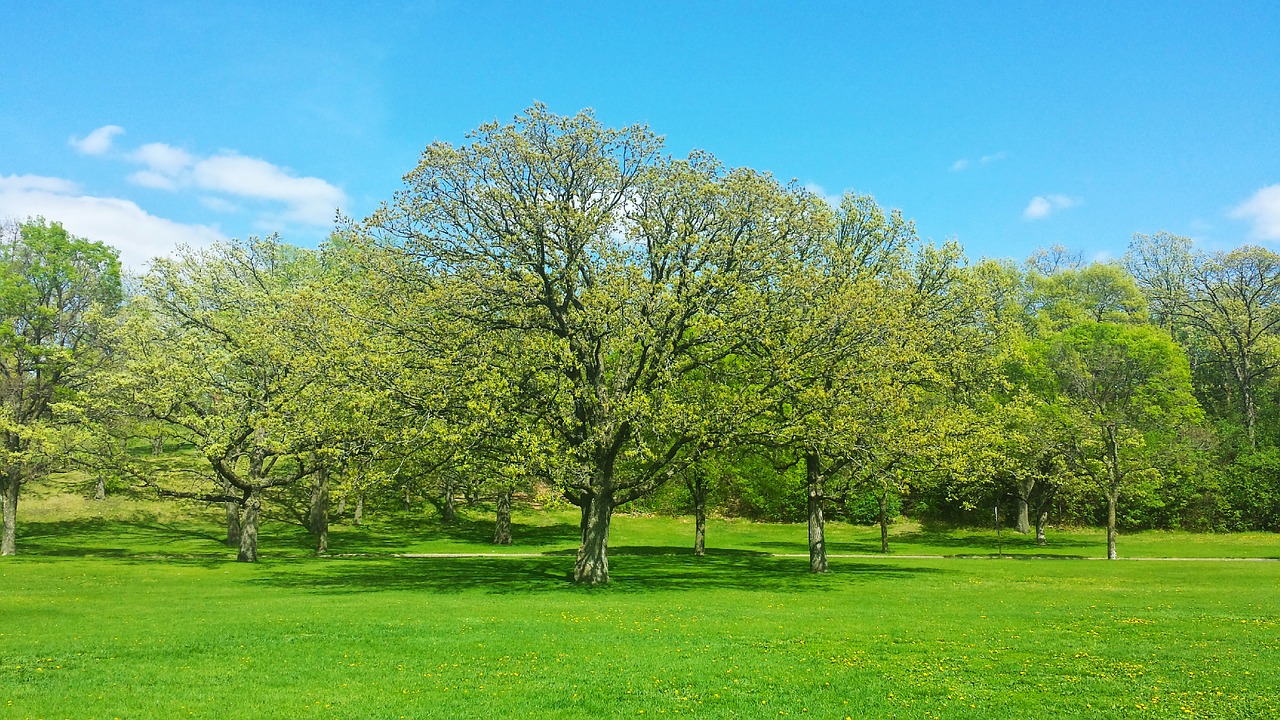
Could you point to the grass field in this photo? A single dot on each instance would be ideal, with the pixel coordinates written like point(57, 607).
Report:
point(144, 616)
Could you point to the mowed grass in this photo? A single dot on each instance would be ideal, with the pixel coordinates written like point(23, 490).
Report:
point(144, 616)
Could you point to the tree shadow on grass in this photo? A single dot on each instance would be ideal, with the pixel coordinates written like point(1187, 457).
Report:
point(101, 537)
point(397, 533)
point(931, 541)
point(632, 573)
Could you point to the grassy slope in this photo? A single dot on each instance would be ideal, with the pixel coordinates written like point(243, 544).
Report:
point(736, 633)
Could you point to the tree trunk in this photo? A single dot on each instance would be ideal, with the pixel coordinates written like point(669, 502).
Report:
point(249, 528)
point(1111, 525)
point(1025, 486)
point(359, 514)
point(232, 510)
point(884, 521)
point(407, 505)
point(817, 530)
point(502, 528)
point(1041, 520)
point(9, 513)
point(342, 505)
point(319, 519)
point(585, 509)
point(100, 488)
point(1113, 488)
point(448, 511)
point(699, 488)
point(157, 445)
point(592, 565)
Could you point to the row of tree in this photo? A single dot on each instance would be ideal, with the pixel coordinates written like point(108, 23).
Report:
point(562, 305)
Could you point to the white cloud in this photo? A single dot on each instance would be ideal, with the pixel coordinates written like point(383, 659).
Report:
point(816, 189)
point(162, 158)
point(310, 200)
point(154, 180)
point(965, 163)
point(1041, 206)
point(97, 142)
point(1263, 210)
point(138, 235)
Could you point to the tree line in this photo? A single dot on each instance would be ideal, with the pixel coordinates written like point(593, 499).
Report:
point(557, 304)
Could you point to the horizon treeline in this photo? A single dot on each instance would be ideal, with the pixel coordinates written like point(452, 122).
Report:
point(562, 308)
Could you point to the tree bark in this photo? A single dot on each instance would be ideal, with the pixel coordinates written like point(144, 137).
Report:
point(884, 521)
point(1111, 525)
point(699, 517)
point(157, 445)
point(359, 514)
point(342, 505)
point(249, 528)
point(232, 510)
point(817, 529)
point(1113, 488)
point(100, 488)
point(1025, 486)
point(319, 518)
point(407, 505)
point(9, 514)
point(1041, 520)
point(592, 565)
point(448, 510)
point(502, 527)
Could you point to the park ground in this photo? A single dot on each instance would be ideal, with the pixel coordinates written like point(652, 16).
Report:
point(134, 609)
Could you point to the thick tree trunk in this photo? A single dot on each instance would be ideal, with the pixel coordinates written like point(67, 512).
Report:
point(249, 528)
point(502, 527)
point(817, 529)
point(9, 515)
point(359, 514)
point(100, 488)
point(585, 510)
point(232, 510)
point(884, 521)
point(592, 566)
point(448, 509)
point(319, 517)
point(1025, 487)
point(1041, 520)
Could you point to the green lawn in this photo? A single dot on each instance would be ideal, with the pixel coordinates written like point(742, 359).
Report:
point(148, 618)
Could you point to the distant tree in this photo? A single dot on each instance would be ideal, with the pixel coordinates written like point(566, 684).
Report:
point(55, 291)
point(1128, 391)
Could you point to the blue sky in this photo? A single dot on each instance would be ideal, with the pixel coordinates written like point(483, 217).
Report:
point(1006, 125)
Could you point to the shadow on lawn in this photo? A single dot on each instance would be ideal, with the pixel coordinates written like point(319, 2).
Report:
point(631, 573)
point(390, 534)
point(930, 542)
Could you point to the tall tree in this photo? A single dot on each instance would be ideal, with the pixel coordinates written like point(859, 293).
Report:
point(612, 270)
point(55, 288)
point(1129, 390)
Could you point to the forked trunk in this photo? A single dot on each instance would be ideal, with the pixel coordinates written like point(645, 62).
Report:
point(249, 528)
point(9, 514)
point(502, 527)
point(319, 518)
point(699, 517)
point(592, 566)
point(100, 488)
point(1041, 520)
point(232, 511)
point(1025, 487)
point(817, 529)
point(884, 521)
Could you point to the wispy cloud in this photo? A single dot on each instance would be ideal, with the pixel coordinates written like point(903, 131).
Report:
point(1042, 206)
point(278, 194)
point(137, 234)
point(965, 163)
point(97, 142)
point(1263, 210)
